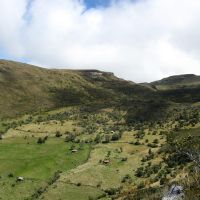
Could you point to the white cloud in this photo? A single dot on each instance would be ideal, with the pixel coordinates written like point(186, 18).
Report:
point(141, 41)
point(10, 25)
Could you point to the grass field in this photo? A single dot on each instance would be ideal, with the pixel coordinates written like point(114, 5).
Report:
point(37, 163)
point(64, 191)
point(83, 175)
point(42, 129)
point(94, 173)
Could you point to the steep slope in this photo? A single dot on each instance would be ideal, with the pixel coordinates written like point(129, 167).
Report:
point(26, 88)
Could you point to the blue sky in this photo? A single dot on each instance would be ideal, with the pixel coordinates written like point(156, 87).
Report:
point(96, 3)
point(6, 56)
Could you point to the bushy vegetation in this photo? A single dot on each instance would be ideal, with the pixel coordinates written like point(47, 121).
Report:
point(87, 136)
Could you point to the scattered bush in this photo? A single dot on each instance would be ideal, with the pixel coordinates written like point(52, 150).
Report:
point(58, 134)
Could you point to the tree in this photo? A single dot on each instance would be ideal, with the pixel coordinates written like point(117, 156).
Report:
point(97, 139)
point(155, 141)
point(58, 134)
point(115, 137)
point(163, 181)
point(40, 140)
point(139, 172)
point(70, 137)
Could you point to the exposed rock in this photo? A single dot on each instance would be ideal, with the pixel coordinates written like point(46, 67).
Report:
point(176, 193)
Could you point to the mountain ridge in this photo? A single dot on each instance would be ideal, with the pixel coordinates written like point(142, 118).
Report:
point(28, 88)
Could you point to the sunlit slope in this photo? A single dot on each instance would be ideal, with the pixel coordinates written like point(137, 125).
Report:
point(25, 88)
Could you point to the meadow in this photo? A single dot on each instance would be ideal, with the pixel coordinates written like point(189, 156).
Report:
point(37, 163)
point(70, 154)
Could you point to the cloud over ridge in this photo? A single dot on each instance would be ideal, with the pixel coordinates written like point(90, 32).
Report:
point(141, 41)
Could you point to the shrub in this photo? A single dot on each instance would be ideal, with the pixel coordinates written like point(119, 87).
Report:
point(40, 140)
point(111, 191)
point(58, 134)
point(10, 175)
point(163, 181)
point(137, 143)
point(152, 145)
point(124, 159)
point(115, 137)
point(141, 185)
point(126, 178)
point(155, 141)
point(78, 184)
point(139, 172)
point(97, 139)
point(70, 137)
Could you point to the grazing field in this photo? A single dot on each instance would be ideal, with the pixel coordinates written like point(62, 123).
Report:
point(65, 191)
point(42, 129)
point(73, 154)
point(124, 159)
point(37, 163)
point(10, 189)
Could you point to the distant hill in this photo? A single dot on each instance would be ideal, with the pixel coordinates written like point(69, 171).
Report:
point(180, 81)
point(182, 88)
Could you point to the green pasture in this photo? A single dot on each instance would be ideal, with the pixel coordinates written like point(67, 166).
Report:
point(37, 163)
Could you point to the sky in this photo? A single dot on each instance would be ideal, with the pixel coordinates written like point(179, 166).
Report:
point(138, 40)
point(97, 3)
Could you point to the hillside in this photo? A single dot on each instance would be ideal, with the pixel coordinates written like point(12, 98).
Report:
point(26, 88)
point(175, 82)
point(181, 89)
point(87, 134)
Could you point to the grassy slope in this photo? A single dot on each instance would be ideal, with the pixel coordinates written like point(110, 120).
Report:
point(180, 89)
point(41, 161)
point(66, 191)
point(26, 88)
point(27, 158)
point(37, 163)
point(174, 82)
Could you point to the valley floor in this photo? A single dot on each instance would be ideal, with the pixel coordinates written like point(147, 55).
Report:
point(66, 154)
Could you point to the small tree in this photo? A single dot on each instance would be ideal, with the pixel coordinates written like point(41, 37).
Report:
point(115, 137)
point(58, 134)
point(70, 137)
point(40, 140)
point(97, 139)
